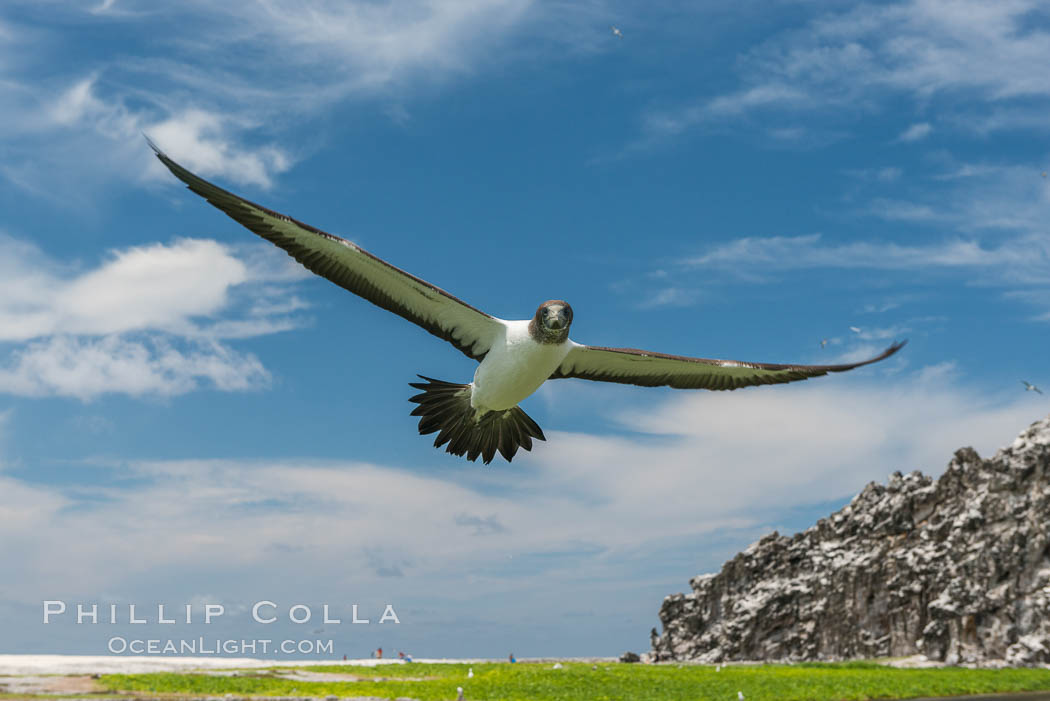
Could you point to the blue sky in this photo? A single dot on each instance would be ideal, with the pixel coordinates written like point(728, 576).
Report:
point(187, 417)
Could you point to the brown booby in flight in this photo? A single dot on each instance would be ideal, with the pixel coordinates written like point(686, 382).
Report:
point(482, 418)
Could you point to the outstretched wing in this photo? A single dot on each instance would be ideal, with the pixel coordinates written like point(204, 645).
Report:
point(630, 366)
point(470, 330)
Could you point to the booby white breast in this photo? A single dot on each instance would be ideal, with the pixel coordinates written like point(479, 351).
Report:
point(482, 418)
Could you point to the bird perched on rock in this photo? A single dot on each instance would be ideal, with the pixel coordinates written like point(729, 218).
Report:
point(482, 417)
point(1030, 387)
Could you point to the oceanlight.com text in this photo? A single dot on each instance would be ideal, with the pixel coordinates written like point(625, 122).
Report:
point(217, 646)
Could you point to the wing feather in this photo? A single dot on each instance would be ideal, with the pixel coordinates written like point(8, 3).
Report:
point(355, 269)
point(637, 367)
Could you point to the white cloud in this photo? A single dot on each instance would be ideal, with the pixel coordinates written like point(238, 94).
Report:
point(916, 132)
point(710, 461)
point(1024, 259)
point(200, 139)
point(5, 417)
point(971, 196)
point(64, 143)
point(897, 210)
point(887, 174)
point(377, 43)
point(195, 92)
point(965, 52)
point(880, 334)
point(86, 368)
point(149, 320)
point(154, 287)
point(669, 297)
point(745, 452)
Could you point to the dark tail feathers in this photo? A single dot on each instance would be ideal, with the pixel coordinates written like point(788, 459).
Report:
point(445, 407)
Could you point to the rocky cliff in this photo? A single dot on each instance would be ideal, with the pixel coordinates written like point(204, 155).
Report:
point(957, 569)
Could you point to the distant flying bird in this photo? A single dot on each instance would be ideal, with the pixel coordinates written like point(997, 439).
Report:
point(616, 32)
point(823, 342)
point(516, 357)
point(854, 329)
point(1030, 387)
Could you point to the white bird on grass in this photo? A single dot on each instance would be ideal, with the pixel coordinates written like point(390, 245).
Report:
point(459, 693)
point(470, 673)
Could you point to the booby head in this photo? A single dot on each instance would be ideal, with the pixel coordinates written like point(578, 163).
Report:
point(551, 322)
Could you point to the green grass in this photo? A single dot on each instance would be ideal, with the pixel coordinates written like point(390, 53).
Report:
point(578, 682)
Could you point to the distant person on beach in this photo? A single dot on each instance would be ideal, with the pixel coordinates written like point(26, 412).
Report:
point(511, 658)
point(379, 653)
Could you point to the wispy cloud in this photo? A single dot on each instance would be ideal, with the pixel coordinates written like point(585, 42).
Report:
point(794, 252)
point(916, 132)
point(1020, 265)
point(168, 287)
point(669, 297)
point(221, 520)
point(866, 333)
point(202, 141)
point(149, 320)
point(848, 62)
point(482, 526)
point(192, 89)
point(900, 210)
point(988, 197)
point(86, 368)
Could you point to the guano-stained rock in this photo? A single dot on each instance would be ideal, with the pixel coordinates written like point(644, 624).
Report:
point(957, 569)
